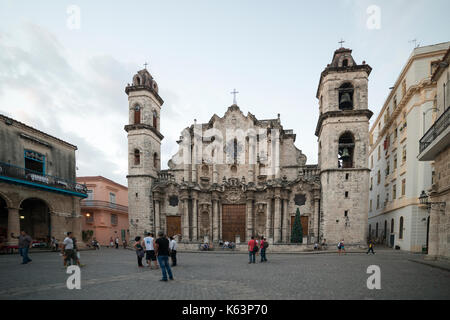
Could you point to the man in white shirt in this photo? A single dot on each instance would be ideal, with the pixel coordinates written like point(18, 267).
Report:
point(67, 250)
point(150, 250)
point(173, 251)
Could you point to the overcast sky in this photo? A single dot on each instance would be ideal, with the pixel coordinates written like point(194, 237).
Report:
point(68, 79)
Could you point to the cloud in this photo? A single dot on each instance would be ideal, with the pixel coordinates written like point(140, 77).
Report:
point(80, 101)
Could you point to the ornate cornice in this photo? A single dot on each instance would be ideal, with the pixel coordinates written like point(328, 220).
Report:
point(140, 126)
point(341, 113)
point(129, 89)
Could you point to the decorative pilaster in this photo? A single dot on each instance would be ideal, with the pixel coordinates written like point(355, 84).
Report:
point(277, 217)
point(185, 219)
point(194, 219)
point(250, 230)
point(157, 217)
point(269, 218)
point(13, 225)
point(215, 220)
point(316, 220)
point(286, 221)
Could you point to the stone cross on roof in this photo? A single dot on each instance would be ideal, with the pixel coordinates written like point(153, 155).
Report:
point(234, 96)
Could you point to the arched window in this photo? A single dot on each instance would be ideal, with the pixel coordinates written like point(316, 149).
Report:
point(155, 161)
point(137, 157)
point(346, 96)
point(400, 229)
point(155, 121)
point(345, 63)
point(346, 150)
point(392, 225)
point(376, 230)
point(137, 114)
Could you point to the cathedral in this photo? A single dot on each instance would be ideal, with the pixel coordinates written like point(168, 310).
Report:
point(238, 176)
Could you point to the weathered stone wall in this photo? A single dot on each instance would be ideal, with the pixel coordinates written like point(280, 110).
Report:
point(64, 209)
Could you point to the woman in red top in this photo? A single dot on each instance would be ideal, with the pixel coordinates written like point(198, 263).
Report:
point(263, 249)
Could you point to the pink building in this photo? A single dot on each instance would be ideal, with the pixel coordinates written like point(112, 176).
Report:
point(104, 211)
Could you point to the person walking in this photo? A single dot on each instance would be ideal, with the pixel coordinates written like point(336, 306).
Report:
point(139, 251)
point(117, 242)
point(162, 252)
point(111, 242)
point(252, 250)
point(370, 247)
point(68, 250)
point(263, 245)
point(24, 245)
point(149, 243)
point(173, 251)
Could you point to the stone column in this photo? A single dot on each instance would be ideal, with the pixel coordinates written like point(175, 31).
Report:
point(249, 208)
point(186, 220)
point(157, 217)
point(220, 219)
point(286, 221)
point(268, 218)
point(277, 220)
point(215, 220)
point(13, 225)
point(194, 220)
point(316, 219)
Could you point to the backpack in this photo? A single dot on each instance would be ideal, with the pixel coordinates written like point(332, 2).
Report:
point(255, 247)
point(266, 244)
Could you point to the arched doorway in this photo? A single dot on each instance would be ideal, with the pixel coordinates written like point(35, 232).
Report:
point(35, 219)
point(3, 222)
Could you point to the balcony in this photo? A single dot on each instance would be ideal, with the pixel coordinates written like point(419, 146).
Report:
point(18, 175)
point(436, 139)
point(98, 204)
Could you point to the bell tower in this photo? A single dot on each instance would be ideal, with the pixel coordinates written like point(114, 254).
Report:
point(343, 135)
point(144, 150)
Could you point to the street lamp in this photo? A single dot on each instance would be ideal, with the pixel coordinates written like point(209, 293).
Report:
point(423, 198)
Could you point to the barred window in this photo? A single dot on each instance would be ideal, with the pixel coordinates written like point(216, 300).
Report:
point(114, 219)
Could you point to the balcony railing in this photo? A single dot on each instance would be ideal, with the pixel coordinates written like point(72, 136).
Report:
point(438, 127)
point(98, 204)
point(11, 172)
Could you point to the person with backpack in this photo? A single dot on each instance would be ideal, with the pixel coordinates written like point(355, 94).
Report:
point(370, 247)
point(263, 245)
point(252, 250)
point(139, 251)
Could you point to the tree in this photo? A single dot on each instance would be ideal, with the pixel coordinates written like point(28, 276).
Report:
point(297, 230)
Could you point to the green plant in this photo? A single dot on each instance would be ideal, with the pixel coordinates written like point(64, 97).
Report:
point(297, 230)
point(87, 235)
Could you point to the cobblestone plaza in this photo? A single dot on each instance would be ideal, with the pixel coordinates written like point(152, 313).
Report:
point(113, 274)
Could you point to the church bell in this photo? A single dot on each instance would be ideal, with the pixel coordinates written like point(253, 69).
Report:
point(345, 154)
point(346, 101)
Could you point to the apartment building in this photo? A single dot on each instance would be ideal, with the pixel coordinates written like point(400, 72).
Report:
point(397, 177)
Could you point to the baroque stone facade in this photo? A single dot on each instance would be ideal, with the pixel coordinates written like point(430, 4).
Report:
point(238, 176)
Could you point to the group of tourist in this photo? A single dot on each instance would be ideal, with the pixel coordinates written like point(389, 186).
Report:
point(115, 243)
point(157, 251)
point(255, 246)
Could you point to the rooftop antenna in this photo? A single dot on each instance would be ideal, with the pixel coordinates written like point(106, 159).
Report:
point(416, 45)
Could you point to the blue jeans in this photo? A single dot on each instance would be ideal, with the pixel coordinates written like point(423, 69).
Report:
point(165, 267)
point(263, 255)
point(24, 253)
point(251, 256)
